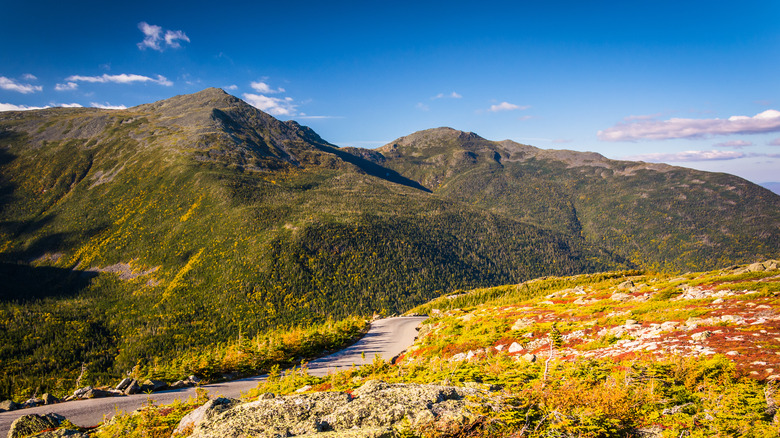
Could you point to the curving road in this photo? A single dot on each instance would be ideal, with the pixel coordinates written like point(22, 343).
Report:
point(386, 338)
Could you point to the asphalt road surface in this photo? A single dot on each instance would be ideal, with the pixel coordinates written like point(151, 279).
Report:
point(386, 338)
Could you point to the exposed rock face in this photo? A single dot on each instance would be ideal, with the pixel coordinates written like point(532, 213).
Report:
point(377, 409)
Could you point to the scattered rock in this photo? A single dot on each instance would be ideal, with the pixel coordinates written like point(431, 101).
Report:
point(626, 285)
point(522, 323)
point(631, 322)
point(32, 402)
point(205, 412)
point(304, 388)
point(49, 399)
point(153, 385)
point(31, 424)
point(530, 357)
point(124, 384)
point(620, 296)
point(515, 347)
point(698, 337)
point(9, 405)
point(133, 388)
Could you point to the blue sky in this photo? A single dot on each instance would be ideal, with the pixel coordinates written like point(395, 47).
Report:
point(692, 83)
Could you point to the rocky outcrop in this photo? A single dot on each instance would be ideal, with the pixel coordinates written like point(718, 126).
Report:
point(377, 409)
point(27, 425)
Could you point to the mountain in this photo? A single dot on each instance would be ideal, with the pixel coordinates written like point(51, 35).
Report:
point(134, 237)
point(655, 215)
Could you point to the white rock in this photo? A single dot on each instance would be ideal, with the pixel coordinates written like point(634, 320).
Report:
point(515, 347)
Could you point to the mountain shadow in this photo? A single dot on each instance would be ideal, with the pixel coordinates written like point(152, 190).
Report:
point(23, 282)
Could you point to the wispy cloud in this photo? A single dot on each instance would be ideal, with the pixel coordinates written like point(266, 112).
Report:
point(272, 105)
point(677, 157)
point(452, 95)
point(263, 87)
point(233, 87)
point(155, 39)
point(506, 106)
point(120, 79)
point(12, 85)
point(422, 107)
point(737, 144)
point(12, 107)
point(107, 106)
point(775, 142)
point(767, 121)
point(67, 86)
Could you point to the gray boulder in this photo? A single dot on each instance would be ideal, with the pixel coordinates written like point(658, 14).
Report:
point(153, 385)
point(49, 399)
point(27, 425)
point(124, 384)
point(133, 388)
point(9, 405)
point(206, 412)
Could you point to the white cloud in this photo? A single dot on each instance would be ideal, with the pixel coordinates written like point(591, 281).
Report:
point(12, 85)
point(155, 39)
point(677, 157)
point(262, 87)
point(66, 86)
point(232, 87)
point(12, 107)
point(120, 79)
point(107, 106)
point(506, 106)
point(272, 105)
point(738, 144)
point(172, 38)
point(29, 77)
point(775, 142)
point(767, 121)
point(422, 107)
point(452, 95)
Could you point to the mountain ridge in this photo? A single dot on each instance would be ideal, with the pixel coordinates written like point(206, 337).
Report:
point(200, 217)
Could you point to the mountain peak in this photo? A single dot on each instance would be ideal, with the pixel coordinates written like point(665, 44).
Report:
point(209, 98)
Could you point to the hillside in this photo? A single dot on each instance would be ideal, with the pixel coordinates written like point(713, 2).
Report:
point(612, 354)
point(655, 215)
point(134, 238)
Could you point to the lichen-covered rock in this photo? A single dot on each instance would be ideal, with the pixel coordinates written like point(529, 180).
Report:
point(374, 410)
point(205, 412)
point(27, 425)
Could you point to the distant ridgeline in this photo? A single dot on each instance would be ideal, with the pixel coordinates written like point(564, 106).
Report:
point(140, 234)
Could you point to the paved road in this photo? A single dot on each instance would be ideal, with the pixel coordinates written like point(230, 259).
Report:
point(386, 338)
